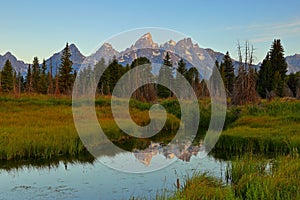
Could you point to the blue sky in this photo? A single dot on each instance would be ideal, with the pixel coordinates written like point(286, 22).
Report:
point(40, 28)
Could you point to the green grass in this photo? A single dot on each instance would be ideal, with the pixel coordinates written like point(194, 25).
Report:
point(266, 128)
point(42, 126)
point(250, 177)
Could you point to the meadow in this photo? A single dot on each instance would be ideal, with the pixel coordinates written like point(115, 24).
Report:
point(42, 127)
point(268, 128)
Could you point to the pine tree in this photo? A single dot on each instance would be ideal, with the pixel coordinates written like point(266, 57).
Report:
point(277, 58)
point(228, 74)
point(43, 79)
point(273, 71)
point(105, 82)
point(14, 82)
point(29, 80)
point(7, 77)
point(19, 83)
point(214, 82)
point(50, 79)
point(192, 76)
point(181, 70)
point(115, 71)
point(265, 77)
point(292, 82)
point(98, 72)
point(165, 76)
point(146, 92)
point(221, 69)
point(36, 75)
point(66, 78)
point(57, 90)
point(182, 67)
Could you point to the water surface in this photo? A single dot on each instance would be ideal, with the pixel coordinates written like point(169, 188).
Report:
point(94, 180)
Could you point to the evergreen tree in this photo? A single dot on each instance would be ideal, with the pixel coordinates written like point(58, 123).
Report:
point(221, 69)
point(99, 72)
point(279, 64)
point(214, 83)
point(165, 76)
point(265, 77)
point(181, 70)
point(43, 79)
point(181, 67)
point(193, 78)
point(29, 80)
point(66, 79)
point(7, 77)
point(277, 58)
point(110, 76)
point(36, 75)
point(115, 70)
point(273, 71)
point(14, 82)
point(292, 82)
point(227, 70)
point(50, 79)
point(146, 92)
point(104, 82)
point(20, 83)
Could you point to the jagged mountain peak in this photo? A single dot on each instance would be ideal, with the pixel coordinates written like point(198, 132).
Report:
point(145, 41)
point(18, 65)
point(146, 47)
point(73, 47)
point(76, 57)
point(8, 54)
point(107, 45)
point(185, 43)
point(147, 36)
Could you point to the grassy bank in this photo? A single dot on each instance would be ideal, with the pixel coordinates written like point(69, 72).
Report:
point(266, 128)
point(248, 178)
point(43, 127)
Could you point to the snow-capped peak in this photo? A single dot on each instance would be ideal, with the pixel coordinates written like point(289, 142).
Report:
point(147, 36)
point(8, 54)
point(185, 43)
point(107, 45)
point(145, 42)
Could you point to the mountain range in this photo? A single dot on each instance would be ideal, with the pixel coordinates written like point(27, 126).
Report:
point(144, 46)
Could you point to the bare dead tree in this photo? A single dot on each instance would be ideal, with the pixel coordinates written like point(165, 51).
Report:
point(245, 85)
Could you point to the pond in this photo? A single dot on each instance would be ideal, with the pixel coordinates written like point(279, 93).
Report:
point(93, 179)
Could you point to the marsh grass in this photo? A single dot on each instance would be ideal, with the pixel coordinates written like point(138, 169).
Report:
point(267, 128)
point(250, 177)
point(39, 126)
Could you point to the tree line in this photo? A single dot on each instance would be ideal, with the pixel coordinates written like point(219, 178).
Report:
point(248, 85)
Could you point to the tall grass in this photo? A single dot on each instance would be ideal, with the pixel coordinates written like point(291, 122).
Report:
point(267, 128)
point(42, 127)
point(250, 177)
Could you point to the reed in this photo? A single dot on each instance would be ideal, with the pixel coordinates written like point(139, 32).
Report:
point(41, 126)
point(250, 177)
point(267, 128)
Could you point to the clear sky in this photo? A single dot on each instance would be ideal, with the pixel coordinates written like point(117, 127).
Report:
point(40, 28)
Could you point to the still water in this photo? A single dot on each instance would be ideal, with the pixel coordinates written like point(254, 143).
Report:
point(95, 180)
